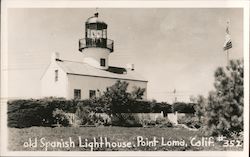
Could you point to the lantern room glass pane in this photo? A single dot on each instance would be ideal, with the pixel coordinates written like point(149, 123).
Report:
point(104, 33)
point(88, 33)
point(98, 34)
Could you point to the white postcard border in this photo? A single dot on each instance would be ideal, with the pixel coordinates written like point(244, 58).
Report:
point(120, 4)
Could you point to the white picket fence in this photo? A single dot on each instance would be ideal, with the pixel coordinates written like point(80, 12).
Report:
point(172, 117)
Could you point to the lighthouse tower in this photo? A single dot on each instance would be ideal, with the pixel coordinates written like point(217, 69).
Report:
point(90, 77)
point(96, 47)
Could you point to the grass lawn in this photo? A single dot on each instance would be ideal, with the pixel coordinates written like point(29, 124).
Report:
point(19, 139)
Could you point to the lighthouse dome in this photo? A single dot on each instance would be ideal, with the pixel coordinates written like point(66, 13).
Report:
point(94, 19)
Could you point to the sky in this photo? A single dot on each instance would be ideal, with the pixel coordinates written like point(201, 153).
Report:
point(173, 48)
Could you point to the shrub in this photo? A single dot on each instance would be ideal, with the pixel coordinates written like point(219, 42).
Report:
point(87, 116)
point(27, 113)
point(125, 119)
point(83, 113)
point(61, 117)
point(163, 122)
point(104, 119)
point(237, 136)
point(37, 112)
point(159, 122)
point(96, 119)
point(148, 123)
point(191, 122)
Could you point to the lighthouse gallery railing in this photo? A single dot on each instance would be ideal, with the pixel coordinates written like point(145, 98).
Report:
point(101, 42)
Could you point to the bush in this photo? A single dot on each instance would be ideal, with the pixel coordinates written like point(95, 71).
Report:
point(163, 122)
point(27, 113)
point(87, 116)
point(159, 122)
point(191, 122)
point(38, 112)
point(237, 136)
point(61, 117)
point(83, 113)
point(125, 119)
point(101, 121)
point(148, 123)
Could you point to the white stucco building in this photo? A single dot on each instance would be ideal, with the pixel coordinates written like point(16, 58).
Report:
point(83, 80)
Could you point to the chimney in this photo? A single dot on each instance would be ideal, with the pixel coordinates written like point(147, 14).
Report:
point(55, 56)
point(96, 14)
point(131, 67)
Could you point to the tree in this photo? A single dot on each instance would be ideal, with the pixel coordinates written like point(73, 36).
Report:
point(117, 99)
point(138, 93)
point(116, 96)
point(224, 109)
point(199, 107)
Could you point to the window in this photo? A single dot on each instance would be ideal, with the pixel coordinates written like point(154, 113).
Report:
point(103, 62)
point(77, 93)
point(92, 94)
point(56, 75)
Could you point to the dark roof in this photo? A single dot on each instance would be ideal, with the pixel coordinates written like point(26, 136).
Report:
point(117, 70)
point(95, 19)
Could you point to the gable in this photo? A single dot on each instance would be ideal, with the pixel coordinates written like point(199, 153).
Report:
point(53, 65)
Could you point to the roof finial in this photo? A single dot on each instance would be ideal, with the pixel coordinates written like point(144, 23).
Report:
point(96, 14)
point(227, 26)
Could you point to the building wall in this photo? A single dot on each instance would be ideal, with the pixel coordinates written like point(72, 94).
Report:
point(86, 83)
point(50, 87)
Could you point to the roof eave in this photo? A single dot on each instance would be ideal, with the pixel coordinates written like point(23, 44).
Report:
point(107, 77)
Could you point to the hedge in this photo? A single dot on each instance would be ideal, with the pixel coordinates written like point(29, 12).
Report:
point(36, 112)
point(39, 112)
point(182, 107)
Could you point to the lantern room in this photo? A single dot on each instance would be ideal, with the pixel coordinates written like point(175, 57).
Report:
point(95, 35)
